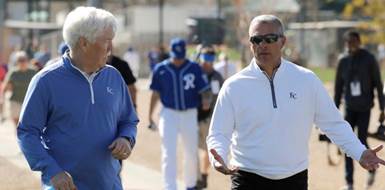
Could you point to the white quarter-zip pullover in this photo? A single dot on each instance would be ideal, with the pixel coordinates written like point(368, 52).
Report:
point(268, 122)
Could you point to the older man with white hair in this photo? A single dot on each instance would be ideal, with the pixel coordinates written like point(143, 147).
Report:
point(77, 119)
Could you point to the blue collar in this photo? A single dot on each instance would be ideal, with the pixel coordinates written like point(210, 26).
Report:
point(70, 66)
point(184, 64)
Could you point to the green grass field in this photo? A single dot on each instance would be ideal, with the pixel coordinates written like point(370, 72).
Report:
point(325, 74)
point(328, 74)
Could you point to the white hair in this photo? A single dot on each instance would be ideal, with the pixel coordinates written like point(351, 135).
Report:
point(86, 22)
point(20, 54)
point(268, 19)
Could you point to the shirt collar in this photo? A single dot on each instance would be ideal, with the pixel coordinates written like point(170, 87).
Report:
point(68, 64)
point(184, 64)
point(258, 72)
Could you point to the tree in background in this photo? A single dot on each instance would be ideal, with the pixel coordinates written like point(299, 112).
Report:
point(334, 5)
point(373, 14)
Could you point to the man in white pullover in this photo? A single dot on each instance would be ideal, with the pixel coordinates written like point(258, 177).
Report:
point(266, 113)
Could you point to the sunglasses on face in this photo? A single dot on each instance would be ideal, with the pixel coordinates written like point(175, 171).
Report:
point(268, 38)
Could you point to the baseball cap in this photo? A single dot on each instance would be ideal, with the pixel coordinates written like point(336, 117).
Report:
point(42, 57)
point(178, 48)
point(207, 57)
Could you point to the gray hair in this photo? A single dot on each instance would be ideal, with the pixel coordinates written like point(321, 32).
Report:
point(86, 22)
point(267, 19)
point(20, 54)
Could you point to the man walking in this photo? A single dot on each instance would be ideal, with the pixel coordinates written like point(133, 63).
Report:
point(266, 113)
point(358, 75)
point(207, 58)
point(77, 119)
point(179, 83)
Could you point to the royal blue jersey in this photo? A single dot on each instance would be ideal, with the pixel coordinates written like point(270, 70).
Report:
point(179, 87)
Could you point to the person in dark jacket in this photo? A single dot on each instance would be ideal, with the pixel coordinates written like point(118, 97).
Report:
point(206, 59)
point(126, 72)
point(357, 76)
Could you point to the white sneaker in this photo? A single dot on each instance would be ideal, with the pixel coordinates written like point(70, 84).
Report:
point(347, 187)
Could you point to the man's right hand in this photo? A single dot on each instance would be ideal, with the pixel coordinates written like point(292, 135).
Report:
point(220, 165)
point(382, 117)
point(63, 181)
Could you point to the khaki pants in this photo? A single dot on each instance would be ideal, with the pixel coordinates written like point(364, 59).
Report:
point(14, 108)
point(203, 132)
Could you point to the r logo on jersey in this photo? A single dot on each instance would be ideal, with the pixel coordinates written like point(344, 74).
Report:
point(189, 79)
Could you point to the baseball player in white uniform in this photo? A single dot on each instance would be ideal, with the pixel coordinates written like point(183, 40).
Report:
point(179, 83)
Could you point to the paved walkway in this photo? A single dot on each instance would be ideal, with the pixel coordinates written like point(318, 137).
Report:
point(13, 165)
point(135, 177)
point(142, 170)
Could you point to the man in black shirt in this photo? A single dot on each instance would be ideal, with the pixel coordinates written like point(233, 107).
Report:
point(357, 76)
point(125, 71)
point(206, 59)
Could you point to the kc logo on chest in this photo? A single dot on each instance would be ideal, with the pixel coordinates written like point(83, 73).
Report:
point(109, 90)
point(293, 95)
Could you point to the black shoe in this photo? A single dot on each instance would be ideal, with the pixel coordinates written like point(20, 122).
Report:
point(370, 179)
point(378, 135)
point(192, 188)
point(202, 183)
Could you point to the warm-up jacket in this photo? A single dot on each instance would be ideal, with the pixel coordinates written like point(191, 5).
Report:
point(268, 123)
point(68, 120)
point(363, 67)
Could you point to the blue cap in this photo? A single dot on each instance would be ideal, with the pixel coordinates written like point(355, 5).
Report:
point(178, 48)
point(42, 57)
point(207, 57)
point(62, 48)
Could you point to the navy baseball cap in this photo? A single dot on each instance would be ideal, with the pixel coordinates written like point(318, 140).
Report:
point(178, 48)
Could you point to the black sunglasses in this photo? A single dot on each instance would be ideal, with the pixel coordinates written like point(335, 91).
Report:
point(268, 38)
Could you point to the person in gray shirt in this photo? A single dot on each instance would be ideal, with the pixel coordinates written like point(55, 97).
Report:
point(17, 81)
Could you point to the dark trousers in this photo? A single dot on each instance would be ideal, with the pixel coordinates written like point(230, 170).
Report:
point(359, 120)
point(242, 180)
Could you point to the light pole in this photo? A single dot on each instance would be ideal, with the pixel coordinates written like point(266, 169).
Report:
point(30, 9)
point(219, 23)
point(2, 14)
point(161, 3)
point(302, 19)
point(219, 9)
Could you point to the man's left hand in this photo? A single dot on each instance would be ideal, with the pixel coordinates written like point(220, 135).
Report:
point(120, 148)
point(221, 166)
point(369, 159)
